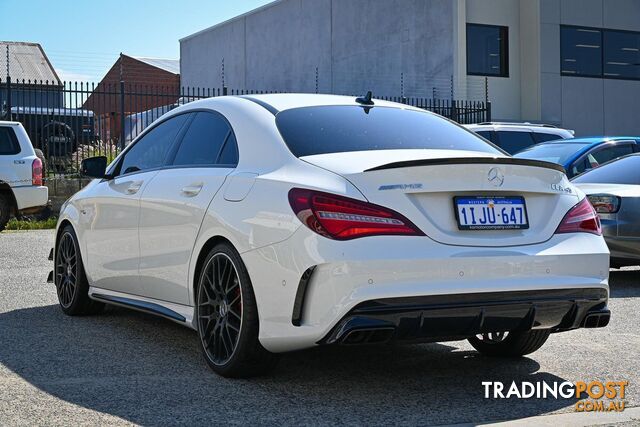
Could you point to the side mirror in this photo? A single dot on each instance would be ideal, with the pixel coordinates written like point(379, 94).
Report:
point(94, 167)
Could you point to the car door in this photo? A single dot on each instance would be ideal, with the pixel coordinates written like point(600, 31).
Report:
point(110, 216)
point(599, 155)
point(174, 203)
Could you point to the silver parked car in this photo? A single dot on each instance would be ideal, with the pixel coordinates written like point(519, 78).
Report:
point(614, 191)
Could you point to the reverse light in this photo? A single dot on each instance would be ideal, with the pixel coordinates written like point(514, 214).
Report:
point(342, 218)
point(36, 172)
point(582, 218)
point(605, 203)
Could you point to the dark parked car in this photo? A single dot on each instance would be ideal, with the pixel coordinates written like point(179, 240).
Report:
point(579, 155)
point(614, 191)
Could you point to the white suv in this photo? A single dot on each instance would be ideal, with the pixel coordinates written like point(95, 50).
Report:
point(514, 137)
point(21, 189)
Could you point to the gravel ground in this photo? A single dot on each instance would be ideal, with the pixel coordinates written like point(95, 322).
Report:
point(124, 367)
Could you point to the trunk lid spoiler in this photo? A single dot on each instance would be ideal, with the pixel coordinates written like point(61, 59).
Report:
point(469, 161)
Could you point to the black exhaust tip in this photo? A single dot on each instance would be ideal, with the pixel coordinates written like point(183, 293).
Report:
point(598, 319)
point(368, 336)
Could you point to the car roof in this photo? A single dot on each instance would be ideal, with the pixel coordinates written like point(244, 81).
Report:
point(286, 101)
point(510, 126)
point(592, 140)
point(514, 124)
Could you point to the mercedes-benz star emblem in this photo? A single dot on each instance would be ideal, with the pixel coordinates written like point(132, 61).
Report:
point(495, 177)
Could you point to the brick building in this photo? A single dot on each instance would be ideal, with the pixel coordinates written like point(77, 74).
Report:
point(147, 82)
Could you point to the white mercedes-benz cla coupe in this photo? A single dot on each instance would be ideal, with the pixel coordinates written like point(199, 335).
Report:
point(280, 222)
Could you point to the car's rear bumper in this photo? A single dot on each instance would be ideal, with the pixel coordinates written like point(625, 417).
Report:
point(305, 285)
point(454, 317)
point(31, 196)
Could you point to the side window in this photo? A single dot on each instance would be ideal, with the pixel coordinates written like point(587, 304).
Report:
point(544, 137)
point(513, 141)
point(151, 150)
point(203, 142)
point(595, 158)
point(612, 152)
point(581, 165)
point(229, 154)
point(8, 142)
point(487, 134)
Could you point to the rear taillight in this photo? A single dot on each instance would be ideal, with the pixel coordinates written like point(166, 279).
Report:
point(342, 218)
point(36, 172)
point(581, 218)
point(605, 203)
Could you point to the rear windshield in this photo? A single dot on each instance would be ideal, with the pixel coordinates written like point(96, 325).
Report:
point(621, 171)
point(341, 128)
point(555, 153)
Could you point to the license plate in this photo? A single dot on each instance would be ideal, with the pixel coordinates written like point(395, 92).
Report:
point(491, 213)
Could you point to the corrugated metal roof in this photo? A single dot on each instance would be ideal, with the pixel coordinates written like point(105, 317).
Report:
point(170, 65)
point(26, 61)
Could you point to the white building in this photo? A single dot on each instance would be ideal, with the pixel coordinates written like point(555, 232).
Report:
point(575, 63)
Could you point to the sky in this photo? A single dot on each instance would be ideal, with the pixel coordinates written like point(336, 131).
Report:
point(84, 38)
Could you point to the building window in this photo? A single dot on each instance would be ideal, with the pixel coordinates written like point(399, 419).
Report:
point(603, 53)
point(581, 51)
point(621, 54)
point(487, 50)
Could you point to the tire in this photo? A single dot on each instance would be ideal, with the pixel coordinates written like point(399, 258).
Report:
point(5, 210)
point(227, 317)
point(70, 279)
point(515, 344)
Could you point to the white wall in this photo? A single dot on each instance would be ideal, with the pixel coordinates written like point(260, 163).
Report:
point(357, 45)
point(591, 106)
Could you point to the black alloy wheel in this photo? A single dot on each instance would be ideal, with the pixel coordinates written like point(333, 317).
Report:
point(66, 272)
point(69, 276)
point(220, 309)
point(226, 316)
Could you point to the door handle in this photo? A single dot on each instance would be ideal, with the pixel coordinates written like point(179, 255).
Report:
point(134, 187)
point(192, 190)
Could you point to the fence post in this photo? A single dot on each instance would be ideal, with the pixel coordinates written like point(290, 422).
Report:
point(121, 115)
point(8, 98)
point(454, 111)
point(8, 86)
point(488, 109)
point(224, 91)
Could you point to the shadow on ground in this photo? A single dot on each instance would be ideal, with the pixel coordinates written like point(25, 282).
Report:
point(150, 371)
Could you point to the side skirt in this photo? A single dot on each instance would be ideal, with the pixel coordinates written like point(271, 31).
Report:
point(178, 313)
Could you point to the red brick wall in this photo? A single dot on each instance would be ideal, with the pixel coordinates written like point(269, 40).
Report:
point(146, 87)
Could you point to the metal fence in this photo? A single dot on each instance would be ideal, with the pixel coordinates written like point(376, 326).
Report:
point(72, 121)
